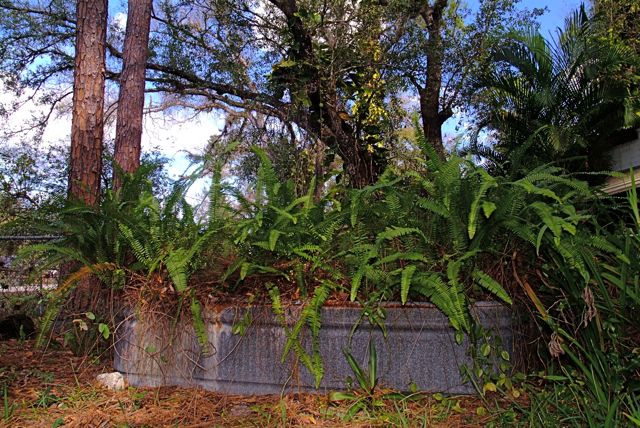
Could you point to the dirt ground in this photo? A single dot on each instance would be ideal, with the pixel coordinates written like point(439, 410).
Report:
point(53, 388)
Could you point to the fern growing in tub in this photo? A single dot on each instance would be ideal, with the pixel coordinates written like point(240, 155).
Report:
point(284, 236)
point(169, 238)
point(445, 231)
point(132, 232)
point(90, 238)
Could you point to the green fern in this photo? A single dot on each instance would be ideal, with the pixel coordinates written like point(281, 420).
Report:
point(199, 326)
point(491, 285)
point(434, 206)
point(405, 282)
point(487, 183)
point(394, 232)
point(310, 317)
point(445, 298)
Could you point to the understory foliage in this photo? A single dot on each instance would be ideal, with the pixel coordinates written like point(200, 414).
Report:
point(589, 300)
point(374, 213)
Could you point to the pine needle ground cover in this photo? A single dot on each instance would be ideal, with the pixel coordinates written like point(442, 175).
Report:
point(54, 388)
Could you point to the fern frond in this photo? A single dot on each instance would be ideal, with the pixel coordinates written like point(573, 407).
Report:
point(199, 326)
point(408, 256)
point(138, 248)
point(434, 206)
point(176, 264)
point(357, 280)
point(405, 282)
point(491, 285)
point(58, 296)
point(487, 183)
point(447, 299)
point(394, 232)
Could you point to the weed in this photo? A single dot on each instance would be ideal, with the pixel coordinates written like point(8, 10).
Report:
point(8, 409)
point(46, 398)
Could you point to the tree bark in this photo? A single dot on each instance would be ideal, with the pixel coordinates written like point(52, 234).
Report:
point(88, 102)
point(431, 115)
point(87, 130)
point(132, 85)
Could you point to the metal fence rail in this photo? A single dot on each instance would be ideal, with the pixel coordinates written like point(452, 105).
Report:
point(20, 278)
point(29, 237)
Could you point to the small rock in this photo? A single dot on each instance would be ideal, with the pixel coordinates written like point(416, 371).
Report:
point(113, 381)
point(240, 411)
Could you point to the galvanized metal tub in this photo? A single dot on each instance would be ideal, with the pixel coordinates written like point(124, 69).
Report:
point(419, 348)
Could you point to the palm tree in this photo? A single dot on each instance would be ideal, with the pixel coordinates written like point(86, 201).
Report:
point(556, 100)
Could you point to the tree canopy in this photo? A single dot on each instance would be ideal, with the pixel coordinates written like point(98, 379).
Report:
point(337, 74)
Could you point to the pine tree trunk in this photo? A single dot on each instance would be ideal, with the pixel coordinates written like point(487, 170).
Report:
point(87, 129)
point(132, 83)
point(88, 102)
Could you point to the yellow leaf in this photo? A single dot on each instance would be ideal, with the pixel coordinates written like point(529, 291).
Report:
point(489, 386)
point(344, 115)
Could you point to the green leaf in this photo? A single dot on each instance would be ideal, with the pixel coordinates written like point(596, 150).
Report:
point(405, 282)
point(489, 387)
point(397, 231)
point(491, 285)
point(341, 396)
point(355, 282)
point(244, 268)
point(273, 238)
point(488, 208)
point(543, 229)
point(284, 214)
point(373, 365)
point(433, 206)
point(532, 188)
point(555, 378)
point(411, 256)
point(90, 315)
point(485, 350)
point(285, 63)
point(357, 371)
point(104, 330)
point(487, 183)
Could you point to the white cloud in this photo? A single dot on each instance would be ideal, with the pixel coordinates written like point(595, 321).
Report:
point(177, 134)
point(28, 109)
point(120, 21)
point(174, 135)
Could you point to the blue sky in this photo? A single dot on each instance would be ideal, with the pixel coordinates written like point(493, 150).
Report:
point(558, 10)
